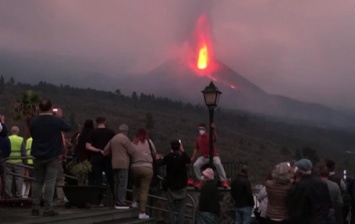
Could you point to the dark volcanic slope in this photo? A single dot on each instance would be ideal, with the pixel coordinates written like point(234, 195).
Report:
point(175, 79)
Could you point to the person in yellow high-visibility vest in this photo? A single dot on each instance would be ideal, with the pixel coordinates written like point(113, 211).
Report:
point(17, 149)
point(29, 162)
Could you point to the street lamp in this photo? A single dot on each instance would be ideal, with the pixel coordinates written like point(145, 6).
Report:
point(211, 95)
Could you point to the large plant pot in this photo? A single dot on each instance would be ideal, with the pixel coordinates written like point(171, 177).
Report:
point(83, 196)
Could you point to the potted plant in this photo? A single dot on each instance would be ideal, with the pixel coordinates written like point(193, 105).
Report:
point(80, 170)
point(82, 195)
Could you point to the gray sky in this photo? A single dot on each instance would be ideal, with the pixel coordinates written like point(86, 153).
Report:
point(303, 49)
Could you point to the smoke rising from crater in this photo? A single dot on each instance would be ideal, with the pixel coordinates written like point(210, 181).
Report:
point(303, 49)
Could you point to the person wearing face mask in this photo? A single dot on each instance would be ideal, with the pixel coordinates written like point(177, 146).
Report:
point(202, 145)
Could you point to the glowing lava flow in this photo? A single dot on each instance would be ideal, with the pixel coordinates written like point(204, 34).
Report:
point(202, 61)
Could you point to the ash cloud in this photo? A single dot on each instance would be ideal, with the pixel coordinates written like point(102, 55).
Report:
point(186, 16)
point(302, 49)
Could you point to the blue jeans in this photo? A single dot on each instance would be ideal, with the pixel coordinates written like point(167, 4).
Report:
point(120, 177)
point(243, 215)
point(206, 218)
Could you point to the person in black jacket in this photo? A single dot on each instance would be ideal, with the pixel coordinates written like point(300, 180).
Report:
point(208, 205)
point(47, 148)
point(243, 196)
point(309, 199)
point(176, 181)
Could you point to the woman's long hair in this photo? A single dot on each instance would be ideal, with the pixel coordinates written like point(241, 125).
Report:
point(88, 127)
point(80, 149)
point(141, 136)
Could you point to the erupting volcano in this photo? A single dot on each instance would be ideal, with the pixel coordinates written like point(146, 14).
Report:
point(203, 62)
point(184, 76)
point(201, 53)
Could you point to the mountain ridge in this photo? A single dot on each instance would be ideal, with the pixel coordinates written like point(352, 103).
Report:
point(247, 96)
point(176, 80)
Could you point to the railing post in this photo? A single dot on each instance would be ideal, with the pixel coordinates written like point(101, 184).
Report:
point(151, 204)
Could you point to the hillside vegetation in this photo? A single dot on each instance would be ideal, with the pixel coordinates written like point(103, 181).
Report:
point(258, 140)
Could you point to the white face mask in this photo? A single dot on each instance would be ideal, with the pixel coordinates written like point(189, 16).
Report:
point(202, 132)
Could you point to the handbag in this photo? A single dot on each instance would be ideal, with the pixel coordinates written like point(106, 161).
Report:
point(155, 180)
point(151, 152)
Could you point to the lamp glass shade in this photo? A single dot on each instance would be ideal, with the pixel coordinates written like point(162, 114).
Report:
point(211, 95)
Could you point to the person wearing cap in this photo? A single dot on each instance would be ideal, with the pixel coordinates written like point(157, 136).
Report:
point(243, 196)
point(176, 181)
point(120, 148)
point(208, 205)
point(202, 151)
point(309, 199)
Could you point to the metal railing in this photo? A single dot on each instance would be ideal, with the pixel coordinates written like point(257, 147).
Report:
point(231, 168)
point(4, 161)
point(191, 205)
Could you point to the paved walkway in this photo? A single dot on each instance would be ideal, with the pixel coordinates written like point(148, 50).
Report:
point(23, 215)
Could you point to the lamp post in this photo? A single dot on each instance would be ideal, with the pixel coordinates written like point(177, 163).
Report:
point(211, 95)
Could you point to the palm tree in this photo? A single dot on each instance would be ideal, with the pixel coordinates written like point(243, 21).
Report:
point(25, 108)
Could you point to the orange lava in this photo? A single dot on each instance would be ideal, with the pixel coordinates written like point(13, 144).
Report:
point(202, 61)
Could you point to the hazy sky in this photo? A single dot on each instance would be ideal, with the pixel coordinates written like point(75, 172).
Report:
point(304, 49)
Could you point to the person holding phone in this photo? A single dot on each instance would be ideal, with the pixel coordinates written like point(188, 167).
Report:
point(176, 180)
point(47, 148)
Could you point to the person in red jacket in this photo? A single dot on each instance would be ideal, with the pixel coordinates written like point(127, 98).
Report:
point(202, 147)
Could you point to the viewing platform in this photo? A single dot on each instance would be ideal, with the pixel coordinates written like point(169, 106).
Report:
point(73, 216)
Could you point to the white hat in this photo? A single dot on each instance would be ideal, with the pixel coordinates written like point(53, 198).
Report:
point(123, 127)
point(208, 173)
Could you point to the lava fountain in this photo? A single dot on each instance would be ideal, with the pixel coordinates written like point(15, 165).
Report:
point(203, 62)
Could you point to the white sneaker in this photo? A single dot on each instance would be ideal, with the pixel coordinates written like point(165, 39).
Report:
point(143, 216)
point(121, 206)
point(134, 205)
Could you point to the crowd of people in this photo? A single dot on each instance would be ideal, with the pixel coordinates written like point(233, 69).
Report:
point(301, 193)
point(291, 193)
point(112, 155)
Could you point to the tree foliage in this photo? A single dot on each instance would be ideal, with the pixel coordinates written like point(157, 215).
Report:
point(72, 120)
point(149, 121)
point(12, 81)
point(2, 84)
point(25, 108)
point(307, 153)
